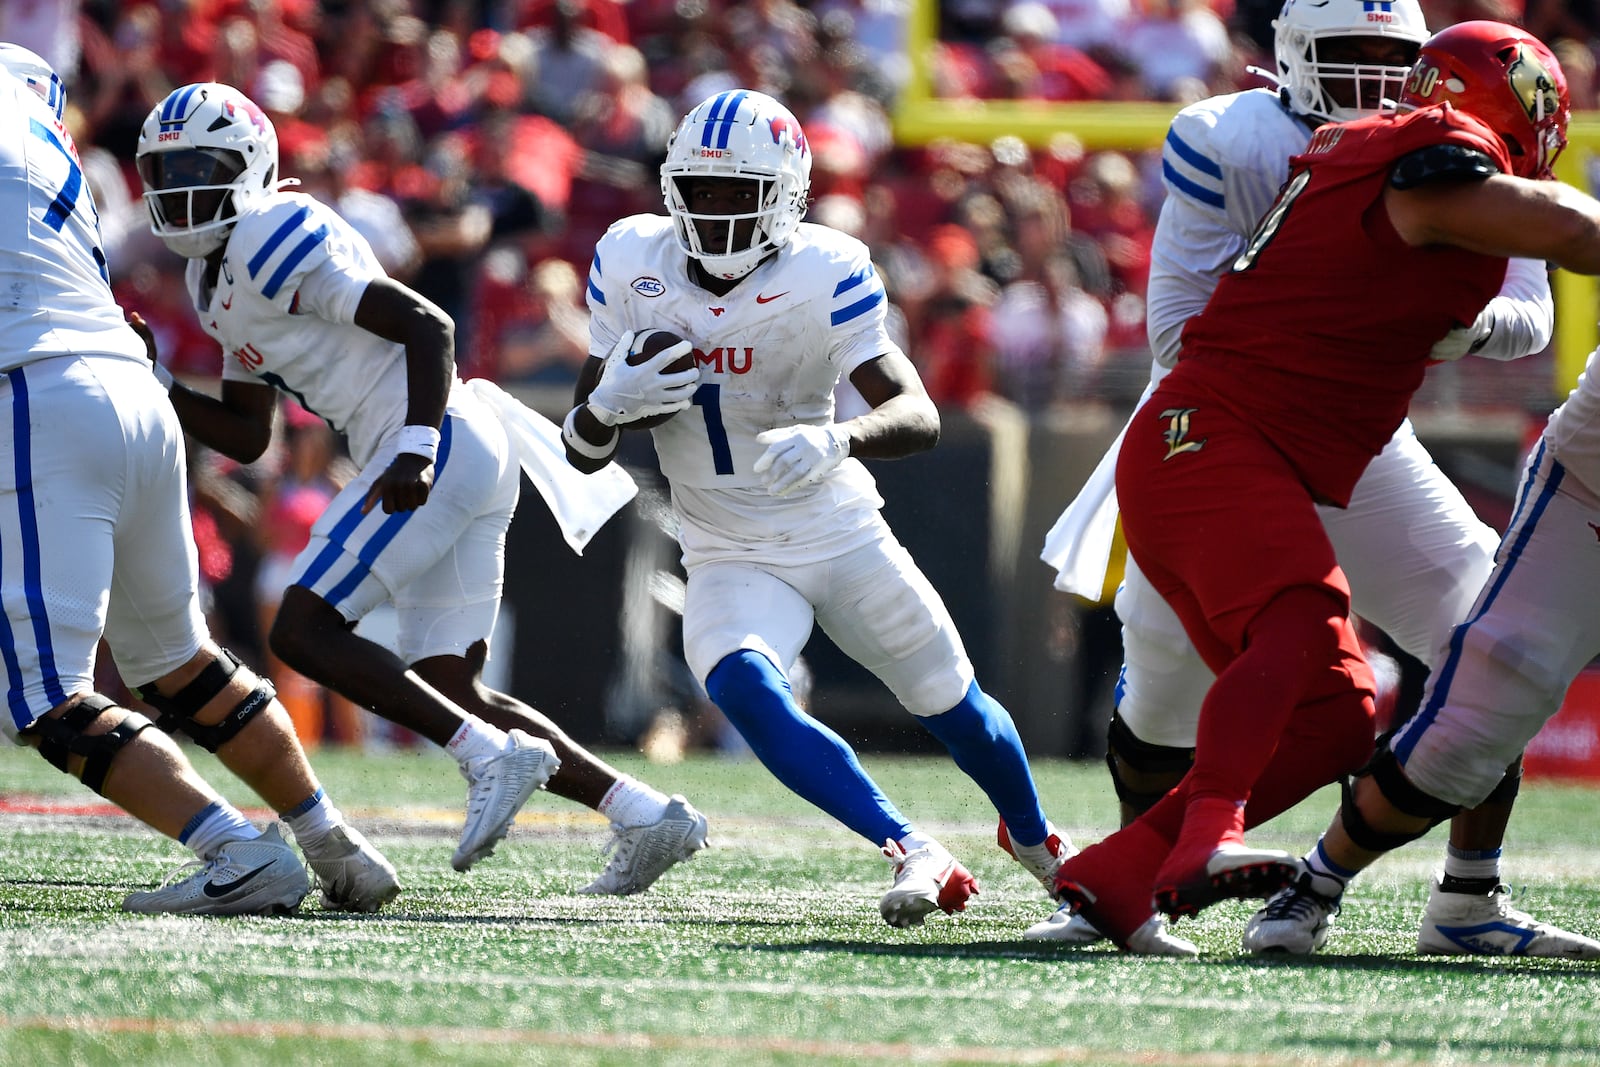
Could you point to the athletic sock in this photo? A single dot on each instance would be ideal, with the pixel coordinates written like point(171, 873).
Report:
point(631, 803)
point(311, 820)
point(212, 825)
point(1327, 877)
point(1472, 871)
point(476, 742)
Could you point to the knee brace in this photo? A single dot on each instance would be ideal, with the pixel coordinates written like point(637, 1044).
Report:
point(1138, 765)
point(1385, 772)
point(178, 711)
point(61, 737)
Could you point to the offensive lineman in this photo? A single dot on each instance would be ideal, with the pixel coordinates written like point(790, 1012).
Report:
point(778, 519)
point(300, 304)
point(1415, 553)
point(95, 539)
point(1249, 432)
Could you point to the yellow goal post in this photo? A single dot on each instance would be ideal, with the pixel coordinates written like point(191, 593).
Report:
point(920, 118)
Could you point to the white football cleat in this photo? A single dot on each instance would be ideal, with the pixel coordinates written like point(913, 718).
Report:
point(1154, 939)
point(924, 879)
point(644, 853)
point(1042, 860)
point(496, 791)
point(260, 876)
point(352, 874)
point(1064, 927)
point(1465, 924)
point(1295, 921)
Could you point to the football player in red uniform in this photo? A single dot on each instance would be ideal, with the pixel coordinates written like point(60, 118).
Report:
point(1288, 383)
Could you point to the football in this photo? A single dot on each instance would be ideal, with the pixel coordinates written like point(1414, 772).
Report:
point(645, 345)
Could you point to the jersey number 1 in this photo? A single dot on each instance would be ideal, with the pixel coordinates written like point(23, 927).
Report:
point(708, 398)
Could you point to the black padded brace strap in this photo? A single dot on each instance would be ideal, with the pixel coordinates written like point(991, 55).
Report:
point(62, 736)
point(218, 734)
point(187, 702)
point(1125, 750)
point(1398, 790)
point(1362, 833)
point(1441, 163)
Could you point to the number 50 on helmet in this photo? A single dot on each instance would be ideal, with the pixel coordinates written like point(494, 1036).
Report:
point(206, 153)
point(1504, 76)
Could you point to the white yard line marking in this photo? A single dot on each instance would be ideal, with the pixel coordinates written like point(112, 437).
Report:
point(855, 1050)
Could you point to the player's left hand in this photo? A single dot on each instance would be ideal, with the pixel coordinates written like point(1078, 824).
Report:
point(798, 456)
point(404, 486)
point(142, 328)
point(1463, 339)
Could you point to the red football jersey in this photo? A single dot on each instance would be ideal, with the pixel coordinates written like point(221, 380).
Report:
point(1320, 334)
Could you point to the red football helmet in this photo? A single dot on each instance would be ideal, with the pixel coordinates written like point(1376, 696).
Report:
point(1503, 75)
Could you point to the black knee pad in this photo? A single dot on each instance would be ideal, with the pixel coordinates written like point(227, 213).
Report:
point(1126, 752)
point(61, 737)
point(1385, 772)
point(178, 711)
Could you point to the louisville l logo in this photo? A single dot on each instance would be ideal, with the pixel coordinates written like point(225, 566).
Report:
point(1177, 433)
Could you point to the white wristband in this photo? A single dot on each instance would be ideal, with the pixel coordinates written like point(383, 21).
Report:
point(579, 444)
point(163, 375)
point(418, 440)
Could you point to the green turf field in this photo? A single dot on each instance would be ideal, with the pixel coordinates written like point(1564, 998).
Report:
point(767, 949)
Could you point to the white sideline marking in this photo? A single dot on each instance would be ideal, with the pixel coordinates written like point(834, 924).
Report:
point(858, 1050)
point(1006, 997)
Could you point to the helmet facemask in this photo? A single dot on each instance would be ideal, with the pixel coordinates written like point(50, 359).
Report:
point(190, 197)
point(729, 246)
point(1343, 86)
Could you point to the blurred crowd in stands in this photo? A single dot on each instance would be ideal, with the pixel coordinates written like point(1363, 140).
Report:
point(483, 145)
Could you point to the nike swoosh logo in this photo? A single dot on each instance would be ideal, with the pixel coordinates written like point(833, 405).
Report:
point(212, 889)
point(768, 299)
point(228, 303)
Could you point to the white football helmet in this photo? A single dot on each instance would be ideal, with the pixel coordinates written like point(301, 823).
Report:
point(206, 153)
point(1303, 25)
point(739, 134)
point(28, 68)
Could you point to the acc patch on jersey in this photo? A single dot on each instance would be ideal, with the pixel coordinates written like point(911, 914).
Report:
point(648, 286)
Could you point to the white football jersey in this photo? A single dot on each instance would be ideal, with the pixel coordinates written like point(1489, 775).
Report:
point(55, 296)
point(1222, 164)
point(283, 309)
point(1574, 428)
point(770, 353)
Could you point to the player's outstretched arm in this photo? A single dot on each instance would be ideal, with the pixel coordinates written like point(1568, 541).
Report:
point(1502, 216)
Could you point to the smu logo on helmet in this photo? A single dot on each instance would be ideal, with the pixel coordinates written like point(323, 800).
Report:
point(248, 107)
point(784, 127)
point(1380, 11)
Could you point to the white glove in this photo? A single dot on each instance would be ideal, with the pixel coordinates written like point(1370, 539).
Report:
point(627, 393)
point(798, 456)
point(1463, 339)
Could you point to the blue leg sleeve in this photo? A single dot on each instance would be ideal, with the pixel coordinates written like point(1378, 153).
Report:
point(983, 741)
point(802, 753)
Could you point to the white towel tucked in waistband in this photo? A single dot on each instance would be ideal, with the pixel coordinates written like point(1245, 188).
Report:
point(581, 503)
